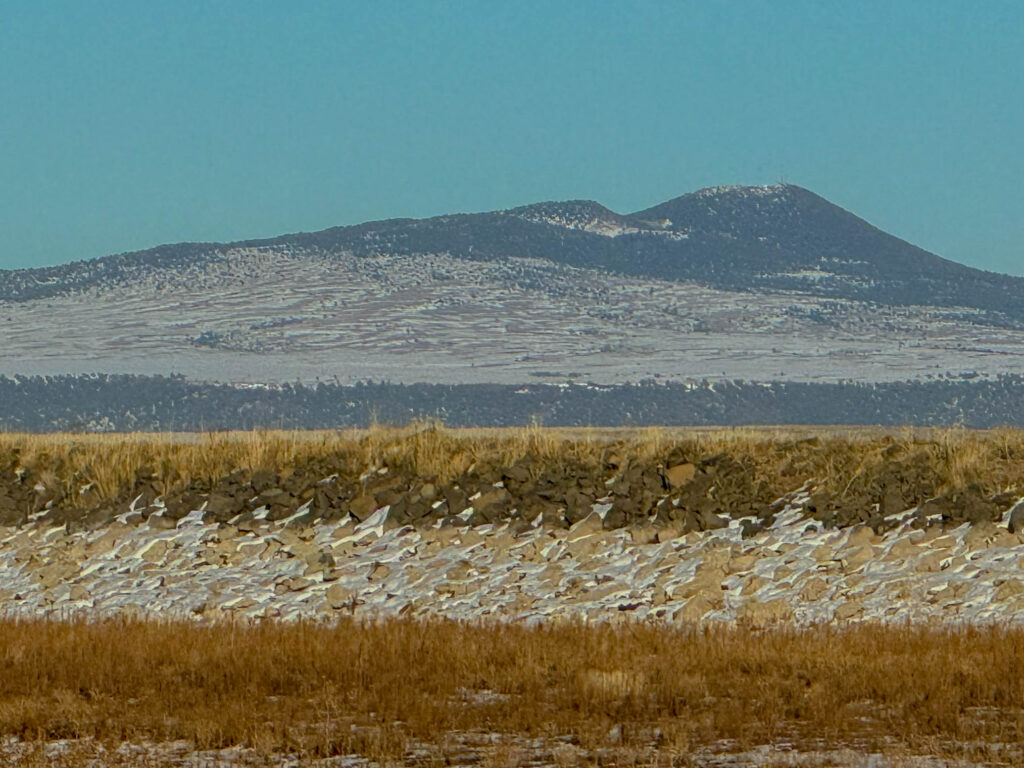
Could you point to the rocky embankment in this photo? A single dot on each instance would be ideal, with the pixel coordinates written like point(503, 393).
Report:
point(672, 540)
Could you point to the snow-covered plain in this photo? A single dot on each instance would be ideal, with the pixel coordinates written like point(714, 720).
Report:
point(270, 314)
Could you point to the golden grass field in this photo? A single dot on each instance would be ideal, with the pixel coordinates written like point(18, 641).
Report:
point(649, 693)
point(375, 689)
point(835, 458)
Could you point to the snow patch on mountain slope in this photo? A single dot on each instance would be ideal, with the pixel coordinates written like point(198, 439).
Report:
point(594, 225)
point(764, 190)
point(278, 314)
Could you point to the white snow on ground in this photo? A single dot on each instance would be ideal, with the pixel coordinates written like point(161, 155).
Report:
point(788, 573)
point(762, 190)
point(269, 315)
point(475, 748)
point(595, 225)
point(809, 274)
point(791, 573)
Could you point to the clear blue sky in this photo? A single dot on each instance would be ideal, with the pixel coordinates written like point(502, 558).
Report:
point(128, 124)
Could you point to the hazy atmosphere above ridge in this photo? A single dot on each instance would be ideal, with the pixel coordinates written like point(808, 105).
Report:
point(127, 126)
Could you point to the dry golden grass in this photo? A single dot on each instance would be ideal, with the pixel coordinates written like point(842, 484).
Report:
point(835, 458)
point(371, 688)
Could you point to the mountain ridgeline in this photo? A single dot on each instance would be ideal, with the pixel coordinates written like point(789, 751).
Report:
point(767, 239)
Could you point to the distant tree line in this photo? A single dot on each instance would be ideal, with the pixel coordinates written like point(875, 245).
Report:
point(103, 403)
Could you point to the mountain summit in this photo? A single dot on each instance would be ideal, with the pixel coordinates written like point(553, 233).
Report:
point(786, 237)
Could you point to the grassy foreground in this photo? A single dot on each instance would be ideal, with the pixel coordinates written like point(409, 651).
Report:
point(378, 688)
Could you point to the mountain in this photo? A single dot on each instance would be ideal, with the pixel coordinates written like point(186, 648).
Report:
point(786, 237)
point(780, 237)
point(758, 283)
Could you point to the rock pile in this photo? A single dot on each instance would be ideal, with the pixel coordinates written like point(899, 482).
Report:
point(680, 492)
